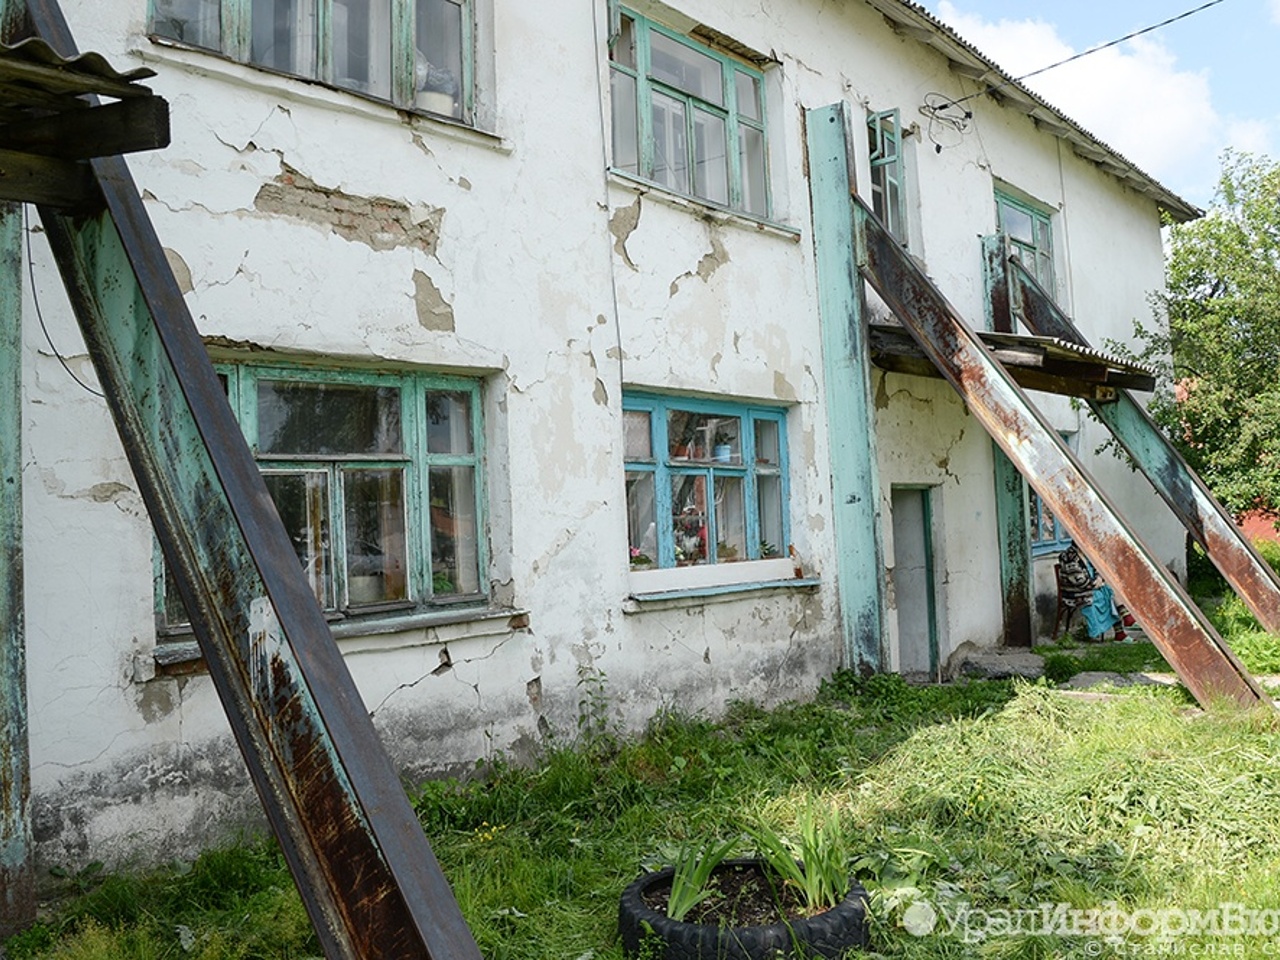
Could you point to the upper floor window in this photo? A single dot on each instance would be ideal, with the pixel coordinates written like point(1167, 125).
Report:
point(888, 199)
point(413, 53)
point(376, 478)
point(1030, 234)
point(688, 117)
point(706, 482)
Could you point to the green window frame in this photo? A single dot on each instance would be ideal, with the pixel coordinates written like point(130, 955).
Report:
point(888, 175)
point(377, 477)
point(1030, 234)
point(687, 117)
point(416, 54)
point(701, 472)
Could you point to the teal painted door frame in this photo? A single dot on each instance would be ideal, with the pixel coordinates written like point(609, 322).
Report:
point(846, 362)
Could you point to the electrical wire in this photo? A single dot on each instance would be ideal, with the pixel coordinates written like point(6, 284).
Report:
point(1091, 50)
point(35, 298)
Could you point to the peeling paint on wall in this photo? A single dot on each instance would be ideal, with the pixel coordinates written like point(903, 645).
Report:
point(434, 312)
point(709, 263)
point(181, 272)
point(622, 224)
point(377, 222)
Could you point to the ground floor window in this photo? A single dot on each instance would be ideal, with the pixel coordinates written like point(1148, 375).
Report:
point(1048, 535)
point(705, 481)
point(377, 478)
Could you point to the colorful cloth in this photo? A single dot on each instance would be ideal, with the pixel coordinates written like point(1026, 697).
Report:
point(1084, 590)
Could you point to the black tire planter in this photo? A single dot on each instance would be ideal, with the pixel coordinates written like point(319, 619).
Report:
point(828, 935)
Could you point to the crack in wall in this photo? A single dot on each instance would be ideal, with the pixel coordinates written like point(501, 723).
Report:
point(707, 266)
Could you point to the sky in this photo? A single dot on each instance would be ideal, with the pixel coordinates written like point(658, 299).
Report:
point(1171, 101)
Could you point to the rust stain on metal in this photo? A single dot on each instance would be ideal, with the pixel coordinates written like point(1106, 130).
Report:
point(1184, 636)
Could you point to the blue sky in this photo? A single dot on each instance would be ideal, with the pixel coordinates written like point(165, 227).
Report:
point(1170, 101)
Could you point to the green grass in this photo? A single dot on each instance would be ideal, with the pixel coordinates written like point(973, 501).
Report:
point(997, 794)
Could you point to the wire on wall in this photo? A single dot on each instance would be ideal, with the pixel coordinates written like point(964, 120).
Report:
point(35, 297)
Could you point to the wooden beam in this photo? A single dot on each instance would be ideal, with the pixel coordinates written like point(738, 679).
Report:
point(16, 93)
point(27, 178)
point(125, 126)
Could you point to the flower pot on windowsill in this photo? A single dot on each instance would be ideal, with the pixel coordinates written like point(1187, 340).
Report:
point(648, 932)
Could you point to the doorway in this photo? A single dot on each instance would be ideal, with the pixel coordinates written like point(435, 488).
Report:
point(914, 580)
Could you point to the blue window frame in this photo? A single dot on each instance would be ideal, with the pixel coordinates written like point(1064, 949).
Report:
point(1048, 535)
point(688, 117)
point(416, 54)
point(706, 481)
point(377, 478)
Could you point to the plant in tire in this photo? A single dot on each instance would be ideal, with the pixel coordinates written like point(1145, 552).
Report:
point(816, 864)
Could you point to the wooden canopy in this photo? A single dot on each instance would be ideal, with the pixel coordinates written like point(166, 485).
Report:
point(52, 121)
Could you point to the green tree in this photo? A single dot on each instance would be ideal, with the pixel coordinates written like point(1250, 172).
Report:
point(1221, 399)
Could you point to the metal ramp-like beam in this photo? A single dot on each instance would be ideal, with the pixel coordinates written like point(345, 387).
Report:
point(1208, 523)
point(1185, 637)
point(368, 877)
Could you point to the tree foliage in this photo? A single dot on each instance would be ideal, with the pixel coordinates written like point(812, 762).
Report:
point(1221, 402)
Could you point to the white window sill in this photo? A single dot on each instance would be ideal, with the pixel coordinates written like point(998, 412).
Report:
point(700, 596)
point(685, 586)
point(211, 63)
point(702, 208)
point(376, 635)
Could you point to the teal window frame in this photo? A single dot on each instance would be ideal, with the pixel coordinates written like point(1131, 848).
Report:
point(665, 468)
point(738, 122)
point(415, 459)
point(232, 35)
point(1040, 519)
point(1033, 247)
point(888, 171)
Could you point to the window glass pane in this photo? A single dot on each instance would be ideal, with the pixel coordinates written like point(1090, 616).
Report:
point(689, 518)
point(748, 95)
point(642, 527)
point(624, 48)
point(635, 425)
point(1017, 224)
point(626, 139)
point(438, 57)
point(696, 436)
point(191, 21)
point(893, 207)
point(769, 492)
point(731, 520)
point(767, 442)
point(455, 561)
point(448, 422)
point(302, 500)
point(755, 198)
point(710, 157)
point(670, 144)
point(684, 68)
point(376, 546)
point(361, 32)
point(327, 418)
point(283, 35)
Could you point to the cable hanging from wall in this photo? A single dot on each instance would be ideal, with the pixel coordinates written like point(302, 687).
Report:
point(35, 299)
point(950, 114)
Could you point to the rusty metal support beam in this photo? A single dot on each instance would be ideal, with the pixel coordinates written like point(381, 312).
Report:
point(1204, 517)
point(1185, 637)
point(17, 876)
point(368, 877)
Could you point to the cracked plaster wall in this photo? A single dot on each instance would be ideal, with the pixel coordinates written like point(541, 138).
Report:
point(314, 224)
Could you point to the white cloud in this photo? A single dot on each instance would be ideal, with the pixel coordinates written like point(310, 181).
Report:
point(1133, 97)
point(1275, 10)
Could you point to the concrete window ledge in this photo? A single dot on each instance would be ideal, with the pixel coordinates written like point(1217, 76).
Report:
point(697, 596)
point(182, 656)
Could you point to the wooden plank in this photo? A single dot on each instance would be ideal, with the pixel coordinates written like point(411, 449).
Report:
point(16, 93)
point(850, 411)
point(17, 875)
point(125, 126)
point(26, 178)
